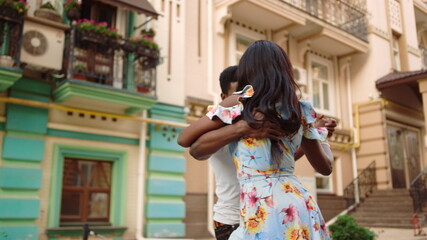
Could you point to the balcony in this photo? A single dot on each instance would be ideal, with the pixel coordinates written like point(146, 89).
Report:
point(333, 27)
point(102, 62)
point(11, 24)
point(347, 15)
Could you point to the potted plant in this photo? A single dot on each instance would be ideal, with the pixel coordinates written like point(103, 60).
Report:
point(145, 46)
point(72, 8)
point(6, 61)
point(98, 32)
point(13, 9)
point(48, 11)
point(79, 69)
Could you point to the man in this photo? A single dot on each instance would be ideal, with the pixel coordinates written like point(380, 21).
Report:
point(226, 210)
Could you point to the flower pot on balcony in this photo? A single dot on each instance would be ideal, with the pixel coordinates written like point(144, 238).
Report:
point(115, 43)
point(6, 61)
point(92, 37)
point(129, 47)
point(49, 14)
point(73, 14)
point(79, 76)
point(10, 14)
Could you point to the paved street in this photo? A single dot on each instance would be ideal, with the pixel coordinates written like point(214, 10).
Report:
point(396, 234)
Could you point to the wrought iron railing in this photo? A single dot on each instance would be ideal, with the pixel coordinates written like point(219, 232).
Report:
point(99, 59)
point(418, 190)
point(423, 52)
point(365, 183)
point(348, 15)
point(11, 25)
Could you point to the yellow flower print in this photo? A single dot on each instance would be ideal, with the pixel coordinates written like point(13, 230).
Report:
point(305, 232)
point(261, 213)
point(298, 192)
point(293, 233)
point(243, 213)
point(287, 187)
point(310, 203)
point(236, 163)
point(250, 142)
point(253, 225)
point(297, 232)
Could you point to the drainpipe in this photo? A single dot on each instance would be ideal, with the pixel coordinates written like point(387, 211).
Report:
point(355, 134)
point(140, 180)
point(216, 101)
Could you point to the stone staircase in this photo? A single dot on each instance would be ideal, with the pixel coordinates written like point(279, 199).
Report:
point(386, 208)
point(331, 205)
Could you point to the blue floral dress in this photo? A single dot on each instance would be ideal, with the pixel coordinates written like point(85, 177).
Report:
point(273, 203)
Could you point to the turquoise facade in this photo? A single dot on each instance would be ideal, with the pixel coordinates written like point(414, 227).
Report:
point(23, 144)
point(165, 208)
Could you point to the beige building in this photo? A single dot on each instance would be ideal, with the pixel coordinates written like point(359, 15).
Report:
point(358, 61)
point(89, 119)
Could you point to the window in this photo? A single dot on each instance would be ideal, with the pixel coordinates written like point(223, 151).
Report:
point(321, 84)
point(86, 191)
point(323, 183)
point(396, 53)
point(242, 43)
point(241, 36)
point(99, 12)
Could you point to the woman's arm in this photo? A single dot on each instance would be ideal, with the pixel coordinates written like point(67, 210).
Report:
point(212, 141)
point(191, 133)
point(319, 155)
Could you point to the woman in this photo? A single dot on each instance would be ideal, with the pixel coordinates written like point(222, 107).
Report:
point(274, 204)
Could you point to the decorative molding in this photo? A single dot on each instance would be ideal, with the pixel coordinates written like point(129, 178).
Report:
point(91, 91)
point(341, 136)
point(303, 48)
point(247, 26)
point(379, 32)
point(197, 107)
point(8, 76)
point(414, 50)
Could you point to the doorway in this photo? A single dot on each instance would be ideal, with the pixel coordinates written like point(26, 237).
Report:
point(404, 148)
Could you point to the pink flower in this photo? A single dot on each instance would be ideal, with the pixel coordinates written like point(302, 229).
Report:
point(269, 201)
point(291, 213)
point(242, 195)
point(235, 113)
point(323, 226)
point(253, 199)
point(225, 114)
point(313, 113)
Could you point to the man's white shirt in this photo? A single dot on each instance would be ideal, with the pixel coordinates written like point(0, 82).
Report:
point(226, 209)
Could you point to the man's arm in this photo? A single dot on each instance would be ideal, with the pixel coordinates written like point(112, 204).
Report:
point(210, 142)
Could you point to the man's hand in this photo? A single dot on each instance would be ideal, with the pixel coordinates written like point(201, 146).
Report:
point(260, 130)
point(329, 123)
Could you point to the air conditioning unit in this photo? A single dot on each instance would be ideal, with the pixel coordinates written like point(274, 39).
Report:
point(42, 46)
point(300, 76)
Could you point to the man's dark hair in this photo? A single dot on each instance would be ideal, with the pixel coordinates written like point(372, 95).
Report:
point(227, 76)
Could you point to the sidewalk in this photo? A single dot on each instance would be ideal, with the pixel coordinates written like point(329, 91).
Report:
point(396, 234)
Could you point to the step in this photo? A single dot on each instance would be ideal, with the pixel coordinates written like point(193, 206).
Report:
point(386, 204)
point(385, 225)
point(358, 213)
point(388, 198)
point(392, 192)
point(388, 219)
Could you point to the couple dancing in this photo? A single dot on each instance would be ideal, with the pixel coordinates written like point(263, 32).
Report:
point(264, 126)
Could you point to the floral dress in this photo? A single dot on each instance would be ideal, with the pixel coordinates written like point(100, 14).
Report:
point(273, 203)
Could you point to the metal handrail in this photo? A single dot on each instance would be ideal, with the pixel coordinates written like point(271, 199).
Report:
point(348, 15)
point(418, 190)
point(364, 183)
